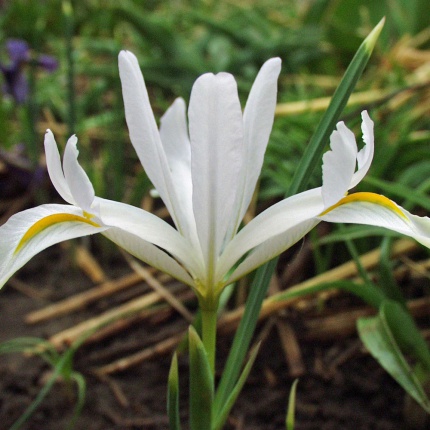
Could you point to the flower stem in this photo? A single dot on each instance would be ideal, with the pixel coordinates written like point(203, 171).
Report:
point(209, 320)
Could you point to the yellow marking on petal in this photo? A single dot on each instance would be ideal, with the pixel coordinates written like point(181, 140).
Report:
point(377, 199)
point(48, 221)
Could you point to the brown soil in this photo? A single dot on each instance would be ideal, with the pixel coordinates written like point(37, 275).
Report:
point(340, 386)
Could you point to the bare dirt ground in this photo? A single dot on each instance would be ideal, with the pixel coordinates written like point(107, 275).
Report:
point(340, 386)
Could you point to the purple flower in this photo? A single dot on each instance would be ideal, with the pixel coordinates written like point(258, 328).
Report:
point(15, 83)
point(47, 62)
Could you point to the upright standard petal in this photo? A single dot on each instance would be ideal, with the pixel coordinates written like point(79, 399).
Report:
point(339, 165)
point(145, 137)
point(79, 184)
point(27, 233)
point(258, 118)
point(55, 171)
point(216, 135)
point(177, 147)
point(365, 155)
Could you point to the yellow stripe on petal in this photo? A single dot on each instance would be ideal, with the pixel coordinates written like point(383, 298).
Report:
point(48, 221)
point(377, 199)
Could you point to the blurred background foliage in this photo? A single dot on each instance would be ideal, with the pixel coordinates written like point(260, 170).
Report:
point(178, 40)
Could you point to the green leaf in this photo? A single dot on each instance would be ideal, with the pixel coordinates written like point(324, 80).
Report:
point(32, 345)
point(387, 280)
point(221, 418)
point(313, 154)
point(289, 421)
point(383, 334)
point(367, 292)
point(406, 332)
point(58, 370)
point(173, 395)
point(201, 384)
point(82, 389)
point(243, 335)
point(352, 232)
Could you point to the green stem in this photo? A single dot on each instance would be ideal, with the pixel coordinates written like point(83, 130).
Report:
point(209, 320)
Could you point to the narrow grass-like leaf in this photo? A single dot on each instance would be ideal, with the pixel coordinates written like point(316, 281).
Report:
point(33, 345)
point(388, 282)
point(327, 124)
point(289, 421)
point(221, 418)
point(382, 335)
point(243, 335)
point(62, 365)
point(68, 19)
point(81, 390)
point(58, 369)
point(173, 395)
point(300, 180)
point(201, 384)
point(367, 292)
point(356, 257)
point(352, 232)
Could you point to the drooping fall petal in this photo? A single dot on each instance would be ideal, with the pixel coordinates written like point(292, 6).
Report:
point(274, 230)
point(377, 210)
point(150, 228)
point(27, 233)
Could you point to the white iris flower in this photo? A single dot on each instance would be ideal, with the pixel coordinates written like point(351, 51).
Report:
point(205, 172)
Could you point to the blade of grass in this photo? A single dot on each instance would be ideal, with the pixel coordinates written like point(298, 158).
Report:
point(387, 281)
point(173, 395)
point(243, 335)
point(201, 384)
point(82, 388)
point(58, 369)
point(68, 35)
point(289, 421)
point(223, 415)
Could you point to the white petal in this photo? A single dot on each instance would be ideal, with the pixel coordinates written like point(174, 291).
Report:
point(271, 248)
point(286, 217)
point(174, 134)
point(145, 226)
point(377, 210)
point(55, 171)
point(339, 165)
point(216, 133)
point(31, 231)
point(176, 143)
point(258, 119)
point(144, 134)
point(148, 253)
point(79, 184)
point(365, 156)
